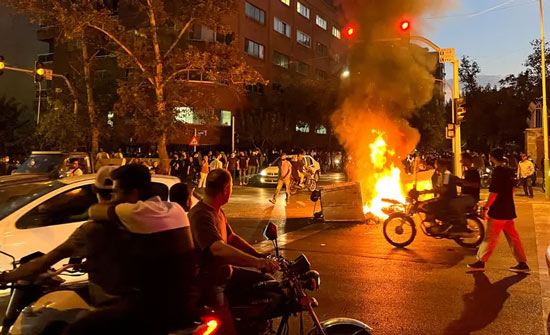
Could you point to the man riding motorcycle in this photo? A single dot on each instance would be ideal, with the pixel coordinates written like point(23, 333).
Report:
point(224, 252)
point(446, 206)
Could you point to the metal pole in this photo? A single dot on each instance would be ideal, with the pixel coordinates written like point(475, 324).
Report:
point(544, 105)
point(458, 141)
point(195, 147)
point(233, 134)
point(39, 98)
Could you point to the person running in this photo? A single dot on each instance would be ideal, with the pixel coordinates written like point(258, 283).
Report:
point(501, 213)
point(526, 169)
point(285, 171)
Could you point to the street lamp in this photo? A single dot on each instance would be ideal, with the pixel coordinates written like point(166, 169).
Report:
point(345, 74)
point(544, 105)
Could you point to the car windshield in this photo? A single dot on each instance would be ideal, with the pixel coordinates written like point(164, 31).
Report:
point(14, 197)
point(41, 164)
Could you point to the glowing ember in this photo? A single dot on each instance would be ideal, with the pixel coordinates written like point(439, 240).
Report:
point(386, 175)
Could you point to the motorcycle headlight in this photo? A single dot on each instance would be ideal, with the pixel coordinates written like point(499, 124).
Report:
point(487, 170)
point(263, 173)
point(311, 280)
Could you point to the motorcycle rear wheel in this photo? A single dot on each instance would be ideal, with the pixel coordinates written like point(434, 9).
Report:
point(475, 225)
point(399, 224)
point(312, 185)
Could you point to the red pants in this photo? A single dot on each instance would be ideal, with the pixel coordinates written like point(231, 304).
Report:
point(494, 227)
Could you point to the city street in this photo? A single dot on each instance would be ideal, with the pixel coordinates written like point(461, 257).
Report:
point(424, 289)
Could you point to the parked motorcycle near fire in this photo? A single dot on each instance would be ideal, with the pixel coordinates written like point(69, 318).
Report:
point(400, 227)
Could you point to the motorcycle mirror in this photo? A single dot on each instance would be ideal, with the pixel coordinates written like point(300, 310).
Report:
point(270, 232)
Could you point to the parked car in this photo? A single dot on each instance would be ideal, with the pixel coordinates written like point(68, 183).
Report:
point(41, 215)
point(46, 165)
point(269, 175)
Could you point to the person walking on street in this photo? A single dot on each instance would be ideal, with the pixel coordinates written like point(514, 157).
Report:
point(526, 169)
point(243, 168)
point(254, 163)
point(216, 162)
point(285, 170)
point(204, 172)
point(501, 213)
point(231, 165)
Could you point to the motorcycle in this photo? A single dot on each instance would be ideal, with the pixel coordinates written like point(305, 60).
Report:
point(297, 278)
point(310, 183)
point(400, 226)
point(45, 305)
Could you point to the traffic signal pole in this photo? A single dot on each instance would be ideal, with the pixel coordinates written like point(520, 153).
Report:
point(67, 82)
point(544, 106)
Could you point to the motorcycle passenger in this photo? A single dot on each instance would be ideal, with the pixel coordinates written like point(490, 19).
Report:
point(161, 256)
point(224, 253)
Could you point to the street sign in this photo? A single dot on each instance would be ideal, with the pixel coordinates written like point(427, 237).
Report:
point(202, 133)
point(48, 74)
point(194, 141)
point(447, 55)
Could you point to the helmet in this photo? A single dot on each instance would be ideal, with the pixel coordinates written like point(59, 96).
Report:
point(103, 180)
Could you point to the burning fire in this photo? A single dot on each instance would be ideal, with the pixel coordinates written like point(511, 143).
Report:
point(387, 176)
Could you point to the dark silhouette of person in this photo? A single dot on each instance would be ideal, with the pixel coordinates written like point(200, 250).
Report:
point(483, 304)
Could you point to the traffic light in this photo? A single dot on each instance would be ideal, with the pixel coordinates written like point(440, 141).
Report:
point(350, 31)
point(2, 65)
point(38, 72)
point(405, 30)
point(460, 111)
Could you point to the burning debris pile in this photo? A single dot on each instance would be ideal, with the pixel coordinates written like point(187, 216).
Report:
point(389, 81)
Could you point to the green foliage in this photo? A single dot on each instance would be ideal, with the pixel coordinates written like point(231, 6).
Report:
point(15, 130)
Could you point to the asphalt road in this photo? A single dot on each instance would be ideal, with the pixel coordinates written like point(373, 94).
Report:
point(424, 289)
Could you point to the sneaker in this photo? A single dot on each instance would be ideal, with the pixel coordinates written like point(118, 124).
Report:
point(477, 266)
point(520, 268)
point(273, 201)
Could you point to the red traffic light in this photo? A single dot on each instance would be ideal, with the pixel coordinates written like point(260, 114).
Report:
point(405, 25)
point(350, 31)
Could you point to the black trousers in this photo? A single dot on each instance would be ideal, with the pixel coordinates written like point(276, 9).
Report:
point(527, 186)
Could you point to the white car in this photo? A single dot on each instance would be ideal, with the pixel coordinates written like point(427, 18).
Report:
point(269, 175)
point(40, 216)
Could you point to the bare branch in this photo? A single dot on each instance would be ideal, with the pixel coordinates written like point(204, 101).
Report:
point(123, 47)
point(180, 35)
point(174, 74)
point(93, 56)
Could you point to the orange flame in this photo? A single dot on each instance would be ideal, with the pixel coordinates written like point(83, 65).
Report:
point(386, 175)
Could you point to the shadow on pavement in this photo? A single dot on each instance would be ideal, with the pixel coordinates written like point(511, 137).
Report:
point(483, 304)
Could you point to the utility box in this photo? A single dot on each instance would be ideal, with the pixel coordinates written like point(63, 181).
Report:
point(342, 203)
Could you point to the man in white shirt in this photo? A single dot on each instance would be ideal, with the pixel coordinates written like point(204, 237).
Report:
point(74, 168)
point(526, 169)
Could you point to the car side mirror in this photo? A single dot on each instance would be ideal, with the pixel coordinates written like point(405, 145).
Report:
point(270, 231)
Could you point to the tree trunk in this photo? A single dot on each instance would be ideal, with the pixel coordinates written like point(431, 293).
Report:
point(94, 129)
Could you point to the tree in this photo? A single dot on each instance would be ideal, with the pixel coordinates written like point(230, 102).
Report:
point(158, 60)
point(15, 131)
point(59, 13)
point(468, 73)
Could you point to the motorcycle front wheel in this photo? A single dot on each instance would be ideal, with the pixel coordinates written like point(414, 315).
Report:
point(343, 330)
point(312, 185)
point(475, 225)
point(399, 230)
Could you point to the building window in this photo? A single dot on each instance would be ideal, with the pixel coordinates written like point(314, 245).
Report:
point(281, 60)
point(110, 117)
point(337, 58)
point(198, 32)
point(321, 130)
point(254, 49)
point(336, 32)
point(185, 114)
point(281, 27)
point(321, 49)
point(255, 13)
point(286, 2)
point(302, 68)
point(322, 23)
point(320, 74)
point(302, 127)
point(225, 118)
point(303, 38)
point(303, 10)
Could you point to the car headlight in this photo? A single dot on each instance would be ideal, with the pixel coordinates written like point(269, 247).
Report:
point(263, 173)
